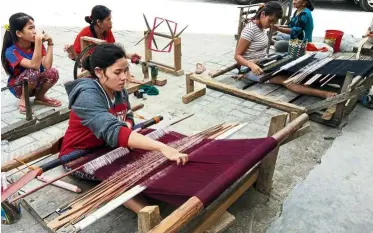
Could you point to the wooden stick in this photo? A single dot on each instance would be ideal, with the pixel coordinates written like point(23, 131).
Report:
point(292, 127)
point(51, 148)
point(269, 101)
point(229, 68)
point(27, 99)
point(60, 183)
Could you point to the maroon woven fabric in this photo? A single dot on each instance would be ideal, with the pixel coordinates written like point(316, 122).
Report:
point(210, 170)
point(213, 166)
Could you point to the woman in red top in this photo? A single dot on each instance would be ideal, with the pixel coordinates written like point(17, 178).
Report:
point(99, 27)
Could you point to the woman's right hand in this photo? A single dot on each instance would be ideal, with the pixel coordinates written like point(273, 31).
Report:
point(256, 69)
point(39, 36)
point(174, 155)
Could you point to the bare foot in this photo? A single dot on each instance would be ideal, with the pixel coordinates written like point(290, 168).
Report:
point(330, 94)
point(238, 77)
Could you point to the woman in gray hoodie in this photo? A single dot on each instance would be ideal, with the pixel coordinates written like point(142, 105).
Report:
point(100, 111)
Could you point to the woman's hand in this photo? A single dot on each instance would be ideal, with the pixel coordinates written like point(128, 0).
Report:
point(255, 68)
point(275, 27)
point(47, 38)
point(39, 36)
point(130, 55)
point(174, 155)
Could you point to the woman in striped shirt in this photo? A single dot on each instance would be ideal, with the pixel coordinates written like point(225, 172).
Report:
point(253, 44)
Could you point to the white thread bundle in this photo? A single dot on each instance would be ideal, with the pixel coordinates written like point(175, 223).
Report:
point(110, 157)
point(293, 63)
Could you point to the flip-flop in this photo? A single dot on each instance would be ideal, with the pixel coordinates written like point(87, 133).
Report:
point(22, 109)
point(49, 102)
point(200, 68)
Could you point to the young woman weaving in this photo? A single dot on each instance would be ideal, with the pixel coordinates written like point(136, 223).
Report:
point(252, 47)
point(100, 112)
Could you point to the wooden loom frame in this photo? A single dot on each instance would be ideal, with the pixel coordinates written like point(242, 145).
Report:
point(176, 40)
point(353, 87)
point(261, 174)
point(85, 41)
point(192, 217)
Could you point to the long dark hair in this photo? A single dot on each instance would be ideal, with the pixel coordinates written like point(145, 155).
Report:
point(309, 5)
point(16, 23)
point(103, 56)
point(98, 12)
point(269, 9)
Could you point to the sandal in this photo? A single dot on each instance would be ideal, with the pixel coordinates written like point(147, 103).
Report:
point(48, 102)
point(22, 109)
point(200, 68)
point(367, 101)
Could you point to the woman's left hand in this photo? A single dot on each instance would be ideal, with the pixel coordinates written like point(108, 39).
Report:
point(47, 38)
point(174, 155)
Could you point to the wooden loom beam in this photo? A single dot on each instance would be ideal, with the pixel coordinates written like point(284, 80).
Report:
point(190, 209)
point(177, 68)
point(261, 99)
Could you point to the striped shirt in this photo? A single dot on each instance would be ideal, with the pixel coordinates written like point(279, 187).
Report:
point(258, 41)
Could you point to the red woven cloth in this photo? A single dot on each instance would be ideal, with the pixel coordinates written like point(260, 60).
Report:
point(213, 166)
point(210, 171)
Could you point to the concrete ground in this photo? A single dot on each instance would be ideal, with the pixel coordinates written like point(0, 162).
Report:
point(339, 203)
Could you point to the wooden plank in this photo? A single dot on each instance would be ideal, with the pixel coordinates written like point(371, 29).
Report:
point(167, 69)
point(193, 95)
point(334, 100)
point(283, 94)
point(148, 218)
point(317, 117)
point(265, 100)
point(47, 114)
point(341, 106)
point(293, 116)
point(148, 52)
point(86, 39)
point(160, 81)
point(64, 115)
point(225, 202)
point(132, 87)
point(189, 84)
point(222, 224)
point(263, 89)
point(267, 167)
point(16, 126)
point(177, 53)
point(179, 217)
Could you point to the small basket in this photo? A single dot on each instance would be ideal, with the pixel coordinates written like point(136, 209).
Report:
point(297, 48)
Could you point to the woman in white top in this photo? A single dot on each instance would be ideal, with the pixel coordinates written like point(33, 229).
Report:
point(253, 44)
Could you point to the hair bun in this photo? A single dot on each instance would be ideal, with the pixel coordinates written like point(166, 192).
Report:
point(88, 19)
